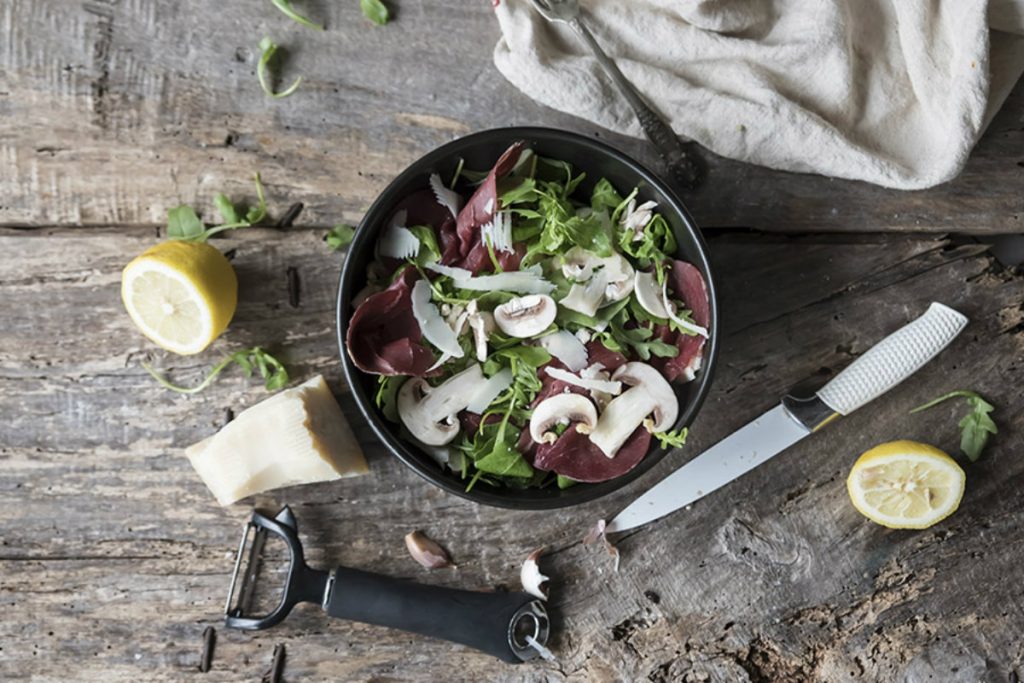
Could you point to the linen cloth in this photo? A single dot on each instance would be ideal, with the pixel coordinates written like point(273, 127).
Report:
point(892, 92)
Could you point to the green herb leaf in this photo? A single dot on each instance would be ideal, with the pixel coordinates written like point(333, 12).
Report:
point(227, 210)
point(184, 224)
point(605, 197)
point(273, 372)
point(267, 51)
point(340, 236)
point(975, 427)
point(504, 460)
point(286, 7)
point(565, 482)
point(387, 395)
point(375, 11)
point(430, 251)
point(672, 439)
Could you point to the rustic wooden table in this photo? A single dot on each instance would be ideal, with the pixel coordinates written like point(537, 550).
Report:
point(113, 556)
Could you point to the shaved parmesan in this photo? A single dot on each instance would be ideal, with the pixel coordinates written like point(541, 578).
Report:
point(432, 325)
point(449, 199)
point(489, 391)
point(636, 218)
point(607, 386)
point(670, 308)
point(297, 436)
point(526, 281)
point(564, 346)
point(397, 240)
point(499, 232)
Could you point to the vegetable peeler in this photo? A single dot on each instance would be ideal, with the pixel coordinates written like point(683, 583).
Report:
point(513, 627)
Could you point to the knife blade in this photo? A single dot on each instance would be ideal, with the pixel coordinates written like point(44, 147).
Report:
point(875, 372)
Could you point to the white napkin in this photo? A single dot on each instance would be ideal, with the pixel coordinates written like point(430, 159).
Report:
point(894, 92)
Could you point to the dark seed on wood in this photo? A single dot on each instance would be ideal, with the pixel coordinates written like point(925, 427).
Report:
point(289, 216)
point(293, 286)
point(652, 596)
point(230, 254)
point(273, 675)
point(229, 415)
point(209, 641)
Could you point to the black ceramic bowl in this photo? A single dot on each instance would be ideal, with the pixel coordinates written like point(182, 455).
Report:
point(480, 151)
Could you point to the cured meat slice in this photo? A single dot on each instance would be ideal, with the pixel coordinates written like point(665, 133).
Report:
point(482, 206)
point(575, 456)
point(687, 284)
point(383, 336)
point(599, 353)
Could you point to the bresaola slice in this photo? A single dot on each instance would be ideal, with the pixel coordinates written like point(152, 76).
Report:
point(383, 336)
point(575, 456)
point(687, 285)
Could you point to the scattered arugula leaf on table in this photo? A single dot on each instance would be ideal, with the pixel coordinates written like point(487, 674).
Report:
point(273, 372)
point(286, 7)
point(975, 427)
point(340, 236)
point(267, 51)
point(672, 439)
point(375, 11)
point(183, 223)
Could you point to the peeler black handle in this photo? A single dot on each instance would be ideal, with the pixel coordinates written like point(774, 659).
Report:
point(490, 622)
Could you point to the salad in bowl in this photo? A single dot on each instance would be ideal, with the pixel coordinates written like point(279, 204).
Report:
point(525, 332)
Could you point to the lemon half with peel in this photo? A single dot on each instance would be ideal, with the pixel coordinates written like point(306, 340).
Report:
point(906, 485)
point(182, 295)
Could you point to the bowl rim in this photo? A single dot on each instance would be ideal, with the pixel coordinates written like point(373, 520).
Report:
point(422, 464)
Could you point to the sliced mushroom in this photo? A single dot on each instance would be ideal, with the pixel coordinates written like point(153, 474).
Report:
point(587, 297)
point(431, 413)
point(482, 324)
point(531, 578)
point(526, 316)
point(578, 264)
point(636, 218)
point(620, 278)
point(649, 401)
point(600, 397)
point(562, 409)
point(649, 295)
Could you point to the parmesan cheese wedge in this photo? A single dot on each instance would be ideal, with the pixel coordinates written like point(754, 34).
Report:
point(297, 436)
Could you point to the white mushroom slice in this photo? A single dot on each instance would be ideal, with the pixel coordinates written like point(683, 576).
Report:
point(432, 325)
point(431, 413)
point(397, 240)
point(607, 386)
point(578, 264)
point(490, 390)
point(587, 298)
point(682, 322)
point(597, 371)
point(636, 218)
point(620, 276)
point(482, 324)
point(649, 401)
point(649, 296)
point(525, 281)
point(531, 578)
point(564, 346)
point(449, 199)
point(526, 316)
point(498, 232)
point(562, 409)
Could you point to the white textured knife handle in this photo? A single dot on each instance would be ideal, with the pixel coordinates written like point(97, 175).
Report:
point(893, 359)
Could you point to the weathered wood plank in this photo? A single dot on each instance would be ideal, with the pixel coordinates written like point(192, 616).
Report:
point(113, 557)
point(111, 112)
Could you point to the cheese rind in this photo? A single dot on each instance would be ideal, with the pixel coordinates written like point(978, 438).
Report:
point(297, 436)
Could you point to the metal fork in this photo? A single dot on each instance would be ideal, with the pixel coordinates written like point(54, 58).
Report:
point(683, 168)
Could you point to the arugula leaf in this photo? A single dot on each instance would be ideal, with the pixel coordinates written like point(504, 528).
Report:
point(638, 338)
point(273, 372)
point(340, 236)
point(227, 210)
point(184, 224)
point(605, 197)
point(975, 427)
point(672, 439)
point(286, 7)
point(267, 51)
point(375, 11)
point(503, 459)
point(430, 250)
point(656, 243)
point(565, 482)
point(386, 397)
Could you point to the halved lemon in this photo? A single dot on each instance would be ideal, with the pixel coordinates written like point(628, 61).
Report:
point(182, 295)
point(906, 485)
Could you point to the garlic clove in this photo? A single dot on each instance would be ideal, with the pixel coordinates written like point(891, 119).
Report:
point(427, 552)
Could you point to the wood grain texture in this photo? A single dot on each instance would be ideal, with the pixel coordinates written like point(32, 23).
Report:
point(114, 557)
point(111, 111)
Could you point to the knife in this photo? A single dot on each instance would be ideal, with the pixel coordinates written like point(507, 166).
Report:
point(875, 372)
